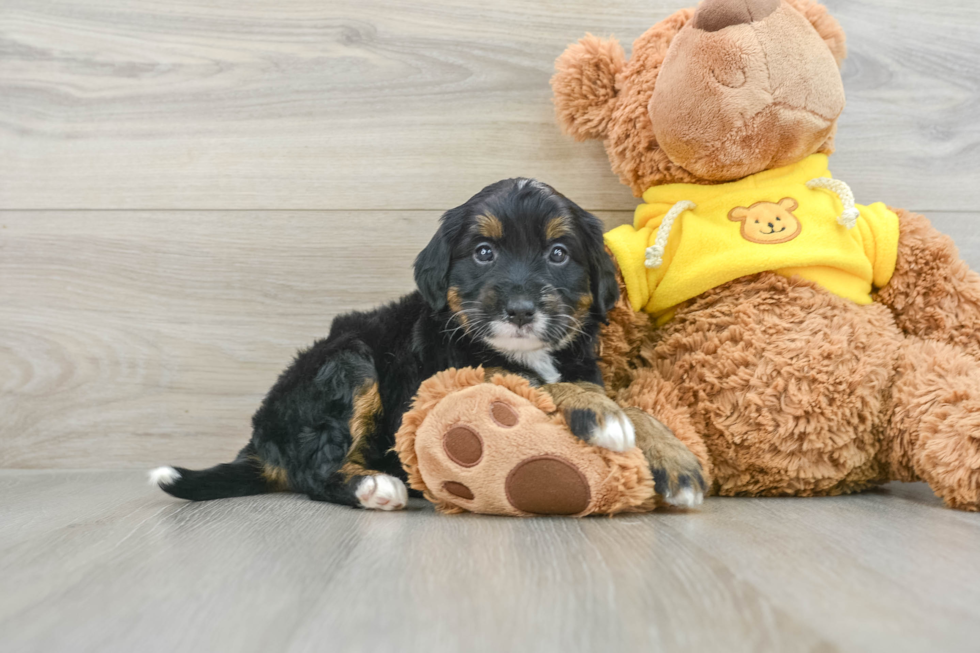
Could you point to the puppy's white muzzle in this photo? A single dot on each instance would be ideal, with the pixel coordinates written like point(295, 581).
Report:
point(506, 337)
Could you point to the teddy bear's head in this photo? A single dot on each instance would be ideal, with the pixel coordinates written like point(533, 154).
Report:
point(709, 95)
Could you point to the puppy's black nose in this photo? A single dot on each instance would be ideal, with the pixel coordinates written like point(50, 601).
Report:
point(520, 311)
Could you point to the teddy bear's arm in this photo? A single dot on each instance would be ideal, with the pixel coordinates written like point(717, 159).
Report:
point(933, 293)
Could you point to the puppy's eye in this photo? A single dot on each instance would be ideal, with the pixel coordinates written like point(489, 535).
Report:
point(483, 253)
point(558, 255)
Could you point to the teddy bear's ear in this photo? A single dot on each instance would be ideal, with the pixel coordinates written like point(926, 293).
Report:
point(585, 86)
point(789, 204)
point(826, 25)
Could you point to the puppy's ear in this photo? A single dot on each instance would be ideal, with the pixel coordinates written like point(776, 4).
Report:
point(602, 271)
point(605, 289)
point(432, 263)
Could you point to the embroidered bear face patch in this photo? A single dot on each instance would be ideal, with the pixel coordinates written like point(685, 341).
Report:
point(768, 223)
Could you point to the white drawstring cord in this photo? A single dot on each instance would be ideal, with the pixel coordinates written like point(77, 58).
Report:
point(655, 253)
point(850, 215)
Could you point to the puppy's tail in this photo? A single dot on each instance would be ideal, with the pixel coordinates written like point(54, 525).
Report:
point(245, 476)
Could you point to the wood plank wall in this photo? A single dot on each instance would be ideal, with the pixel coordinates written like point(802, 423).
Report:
point(189, 191)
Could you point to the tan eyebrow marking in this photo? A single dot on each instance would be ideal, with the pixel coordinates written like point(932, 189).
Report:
point(489, 226)
point(558, 227)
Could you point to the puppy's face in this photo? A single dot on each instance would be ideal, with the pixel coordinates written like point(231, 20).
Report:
point(519, 267)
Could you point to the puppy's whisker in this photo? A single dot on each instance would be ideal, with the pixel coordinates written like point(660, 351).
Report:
point(485, 327)
point(574, 323)
point(565, 332)
point(463, 324)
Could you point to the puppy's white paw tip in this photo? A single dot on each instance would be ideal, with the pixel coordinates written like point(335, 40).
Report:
point(617, 434)
point(686, 498)
point(162, 476)
point(382, 492)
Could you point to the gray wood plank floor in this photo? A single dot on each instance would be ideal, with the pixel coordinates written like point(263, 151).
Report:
point(98, 561)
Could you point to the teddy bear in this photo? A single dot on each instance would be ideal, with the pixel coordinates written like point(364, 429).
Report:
point(792, 341)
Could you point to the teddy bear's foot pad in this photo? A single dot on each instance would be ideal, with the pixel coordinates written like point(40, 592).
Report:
point(490, 450)
point(547, 485)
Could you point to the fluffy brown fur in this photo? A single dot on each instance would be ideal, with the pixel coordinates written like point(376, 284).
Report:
point(785, 384)
point(933, 293)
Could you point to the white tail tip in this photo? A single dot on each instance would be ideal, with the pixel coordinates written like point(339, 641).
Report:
point(162, 476)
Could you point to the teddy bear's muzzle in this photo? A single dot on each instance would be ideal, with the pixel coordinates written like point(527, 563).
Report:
point(760, 89)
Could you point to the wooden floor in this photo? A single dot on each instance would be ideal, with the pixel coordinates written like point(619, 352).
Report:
point(100, 562)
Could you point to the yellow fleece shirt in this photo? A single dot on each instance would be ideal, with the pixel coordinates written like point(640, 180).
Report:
point(769, 222)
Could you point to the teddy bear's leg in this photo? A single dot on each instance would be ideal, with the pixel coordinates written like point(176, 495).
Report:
point(934, 432)
point(933, 293)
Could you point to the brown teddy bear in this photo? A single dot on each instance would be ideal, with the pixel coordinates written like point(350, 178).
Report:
point(795, 342)
point(820, 347)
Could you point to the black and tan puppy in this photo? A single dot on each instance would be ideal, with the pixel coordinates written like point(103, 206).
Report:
point(516, 278)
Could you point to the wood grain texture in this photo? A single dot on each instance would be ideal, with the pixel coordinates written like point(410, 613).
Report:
point(98, 561)
point(132, 339)
point(373, 104)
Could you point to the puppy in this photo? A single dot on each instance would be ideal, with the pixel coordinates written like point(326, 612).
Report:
point(515, 279)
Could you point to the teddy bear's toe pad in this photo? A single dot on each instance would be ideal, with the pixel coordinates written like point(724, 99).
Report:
point(547, 485)
point(458, 490)
point(464, 446)
point(503, 414)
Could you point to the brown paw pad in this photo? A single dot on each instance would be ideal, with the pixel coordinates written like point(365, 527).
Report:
point(458, 490)
point(503, 414)
point(464, 446)
point(547, 485)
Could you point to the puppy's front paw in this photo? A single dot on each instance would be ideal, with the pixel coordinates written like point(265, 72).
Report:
point(681, 490)
point(677, 474)
point(382, 492)
point(610, 429)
